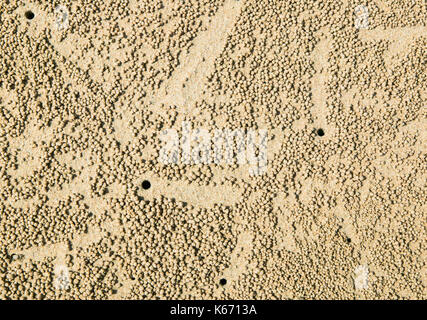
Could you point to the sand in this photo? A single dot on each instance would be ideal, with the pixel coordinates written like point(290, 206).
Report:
point(88, 91)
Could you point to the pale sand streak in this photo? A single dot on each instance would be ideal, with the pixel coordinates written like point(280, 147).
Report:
point(401, 39)
point(199, 63)
point(320, 58)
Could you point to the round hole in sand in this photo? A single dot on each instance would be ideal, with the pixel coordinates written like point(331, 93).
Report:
point(320, 132)
point(29, 15)
point(146, 184)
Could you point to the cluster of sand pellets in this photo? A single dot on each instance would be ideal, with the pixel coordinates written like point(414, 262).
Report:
point(87, 210)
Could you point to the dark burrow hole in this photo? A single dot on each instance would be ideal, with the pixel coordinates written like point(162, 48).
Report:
point(348, 240)
point(29, 15)
point(146, 184)
point(223, 282)
point(320, 132)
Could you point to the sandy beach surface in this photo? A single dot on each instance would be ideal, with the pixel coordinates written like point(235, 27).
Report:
point(111, 113)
